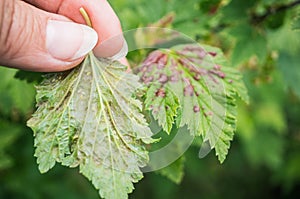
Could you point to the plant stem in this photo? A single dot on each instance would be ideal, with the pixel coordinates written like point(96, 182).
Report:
point(86, 17)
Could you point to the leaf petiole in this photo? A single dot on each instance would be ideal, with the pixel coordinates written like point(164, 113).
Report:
point(85, 16)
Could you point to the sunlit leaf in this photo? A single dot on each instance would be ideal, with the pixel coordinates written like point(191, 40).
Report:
point(191, 85)
point(88, 117)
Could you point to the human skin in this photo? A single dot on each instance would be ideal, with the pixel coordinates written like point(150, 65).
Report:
point(49, 36)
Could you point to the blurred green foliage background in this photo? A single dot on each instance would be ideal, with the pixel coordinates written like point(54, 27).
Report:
point(260, 37)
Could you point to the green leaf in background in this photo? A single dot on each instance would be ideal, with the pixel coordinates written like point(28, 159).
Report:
point(296, 23)
point(167, 156)
point(237, 10)
point(290, 68)
point(285, 39)
point(174, 171)
point(29, 76)
point(16, 96)
point(248, 43)
point(191, 85)
point(262, 125)
point(264, 132)
point(88, 117)
point(9, 132)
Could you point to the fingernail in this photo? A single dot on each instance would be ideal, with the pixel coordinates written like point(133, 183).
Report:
point(68, 40)
point(122, 53)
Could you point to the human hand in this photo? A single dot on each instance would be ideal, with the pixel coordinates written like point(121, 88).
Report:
point(51, 36)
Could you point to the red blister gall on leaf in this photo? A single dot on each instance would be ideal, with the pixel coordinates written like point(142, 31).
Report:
point(187, 77)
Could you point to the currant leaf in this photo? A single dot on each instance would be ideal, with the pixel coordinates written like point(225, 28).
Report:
point(89, 117)
point(191, 85)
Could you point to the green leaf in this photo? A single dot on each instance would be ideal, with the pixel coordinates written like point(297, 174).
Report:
point(167, 155)
point(29, 76)
point(16, 96)
point(296, 23)
point(190, 85)
point(174, 171)
point(9, 132)
point(237, 10)
point(290, 69)
point(164, 109)
point(285, 39)
point(249, 43)
point(257, 128)
point(88, 117)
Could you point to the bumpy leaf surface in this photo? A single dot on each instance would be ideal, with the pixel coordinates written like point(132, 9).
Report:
point(89, 117)
point(190, 85)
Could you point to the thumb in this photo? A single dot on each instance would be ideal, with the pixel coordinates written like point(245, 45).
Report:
point(32, 39)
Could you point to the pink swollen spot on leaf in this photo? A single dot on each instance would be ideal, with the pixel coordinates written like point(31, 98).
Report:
point(221, 75)
point(175, 77)
point(196, 109)
point(188, 90)
point(197, 77)
point(162, 61)
point(163, 78)
point(212, 54)
point(160, 93)
point(217, 67)
point(153, 57)
point(146, 79)
point(201, 54)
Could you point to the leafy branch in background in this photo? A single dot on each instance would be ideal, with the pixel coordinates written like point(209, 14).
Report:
point(272, 10)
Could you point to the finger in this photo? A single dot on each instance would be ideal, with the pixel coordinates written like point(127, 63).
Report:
point(104, 21)
point(35, 40)
point(125, 62)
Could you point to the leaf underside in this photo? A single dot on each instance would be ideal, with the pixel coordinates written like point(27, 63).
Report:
point(88, 117)
point(191, 85)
